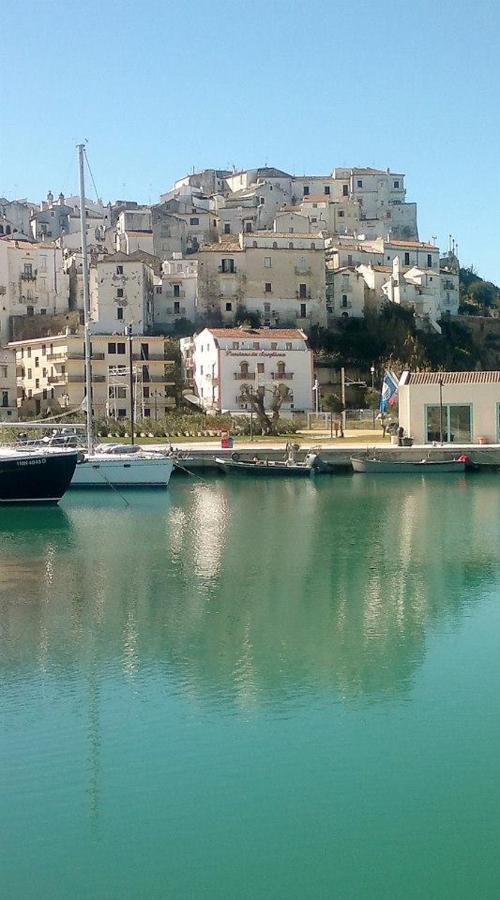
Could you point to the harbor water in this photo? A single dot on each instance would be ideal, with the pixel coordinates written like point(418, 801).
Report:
point(253, 689)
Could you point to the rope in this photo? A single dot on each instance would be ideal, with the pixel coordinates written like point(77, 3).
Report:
point(91, 174)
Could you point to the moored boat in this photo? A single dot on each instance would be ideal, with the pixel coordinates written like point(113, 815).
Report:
point(403, 467)
point(123, 466)
point(255, 466)
point(35, 476)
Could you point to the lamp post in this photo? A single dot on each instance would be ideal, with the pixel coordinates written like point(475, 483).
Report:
point(372, 371)
point(441, 410)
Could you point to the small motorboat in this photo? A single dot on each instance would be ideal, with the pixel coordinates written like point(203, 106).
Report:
point(35, 476)
point(256, 466)
point(396, 467)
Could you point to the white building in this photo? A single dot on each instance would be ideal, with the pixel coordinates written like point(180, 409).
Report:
point(176, 292)
point(121, 294)
point(32, 282)
point(219, 361)
point(462, 406)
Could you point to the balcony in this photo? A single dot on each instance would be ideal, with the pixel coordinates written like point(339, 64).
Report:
point(62, 378)
point(223, 271)
point(180, 312)
point(28, 276)
point(180, 295)
point(57, 357)
point(244, 376)
point(282, 376)
point(346, 305)
point(303, 296)
point(80, 379)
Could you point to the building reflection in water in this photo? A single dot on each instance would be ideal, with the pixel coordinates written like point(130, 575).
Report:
point(256, 592)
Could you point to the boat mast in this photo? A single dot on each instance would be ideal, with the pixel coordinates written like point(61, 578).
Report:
point(86, 302)
point(128, 331)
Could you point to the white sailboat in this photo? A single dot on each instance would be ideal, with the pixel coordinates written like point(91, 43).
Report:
point(126, 466)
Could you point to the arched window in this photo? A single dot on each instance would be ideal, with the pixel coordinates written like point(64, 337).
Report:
point(244, 368)
point(275, 245)
point(254, 243)
point(7, 229)
point(281, 368)
point(290, 246)
point(313, 246)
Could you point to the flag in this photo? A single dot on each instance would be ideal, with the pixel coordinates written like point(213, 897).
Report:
point(389, 390)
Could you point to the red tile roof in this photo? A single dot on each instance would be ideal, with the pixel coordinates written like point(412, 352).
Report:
point(491, 377)
point(412, 244)
point(256, 333)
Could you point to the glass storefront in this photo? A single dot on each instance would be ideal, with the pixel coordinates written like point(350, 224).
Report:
point(453, 420)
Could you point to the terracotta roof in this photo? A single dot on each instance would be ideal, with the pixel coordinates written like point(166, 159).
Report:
point(492, 377)
point(257, 333)
point(225, 247)
point(412, 244)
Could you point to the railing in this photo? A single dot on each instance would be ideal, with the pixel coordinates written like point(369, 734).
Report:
point(346, 305)
point(303, 296)
point(282, 376)
point(171, 295)
point(58, 379)
point(80, 379)
point(180, 312)
point(28, 276)
point(56, 357)
point(223, 271)
point(244, 376)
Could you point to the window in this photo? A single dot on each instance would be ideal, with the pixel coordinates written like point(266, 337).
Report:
point(345, 315)
point(313, 246)
point(344, 299)
point(158, 289)
point(349, 259)
point(260, 368)
point(268, 287)
point(44, 349)
point(120, 348)
point(341, 213)
point(345, 190)
point(5, 398)
point(44, 394)
point(44, 372)
point(30, 311)
point(275, 245)
point(177, 290)
point(227, 228)
point(227, 265)
point(194, 220)
point(274, 345)
point(4, 371)
point(28, 353)
point(407, 259)
point(37, 383)
point(396, 184)
point(177, 307)
point(360, 183)
point(254, 244)
point(119, 313)
point(236, 345)
point(288, 345)
point(303, 310)
point(119, 270)
point(306, 190)
point(37, 362)
point(248, 226)
point(454, 420)
point(313, 219)
point(28, 270)
point(119, 292)
point(326, 190)
point(229, 307)
point(429, 260)
point(302, 290)
point(267, 262)
point(145, 392)
point(112, 348)
point(121, 413)
point(255, 345)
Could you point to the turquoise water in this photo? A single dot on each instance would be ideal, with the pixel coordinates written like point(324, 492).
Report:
point(245, 689)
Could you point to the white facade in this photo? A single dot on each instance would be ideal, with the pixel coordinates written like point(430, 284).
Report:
point(465, 408)
point(221, 360)
point(176, 292)
point(345, 293)
point(121, 294)
point(32, 282)
point(8, 385)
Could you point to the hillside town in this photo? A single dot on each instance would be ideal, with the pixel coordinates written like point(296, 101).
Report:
point(238, 266)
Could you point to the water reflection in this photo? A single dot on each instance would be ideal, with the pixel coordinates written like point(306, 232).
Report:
point(248, 593)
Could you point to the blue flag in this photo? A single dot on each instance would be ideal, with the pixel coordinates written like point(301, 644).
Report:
point(389, 390)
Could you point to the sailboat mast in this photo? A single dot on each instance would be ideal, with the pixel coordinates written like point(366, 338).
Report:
point(86, 302)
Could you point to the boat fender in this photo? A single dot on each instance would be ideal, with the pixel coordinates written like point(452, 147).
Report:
point(80, 457)
point(464, 458)
point(235, 457)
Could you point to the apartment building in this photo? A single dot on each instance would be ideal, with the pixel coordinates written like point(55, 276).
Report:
point(51, 374)
point(121, 293)
point(32, 282)
point(176, 292)
point(281, 276)
point(219, 361)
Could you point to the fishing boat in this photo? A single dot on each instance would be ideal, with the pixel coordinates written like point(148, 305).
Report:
point(117, 466)
point(237, 465)
point(35, 476)
point(404, 467)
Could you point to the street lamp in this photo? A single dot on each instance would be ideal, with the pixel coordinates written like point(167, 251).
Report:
point(372, 371)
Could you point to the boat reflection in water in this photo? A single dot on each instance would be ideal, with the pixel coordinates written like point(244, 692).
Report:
point(285, 590)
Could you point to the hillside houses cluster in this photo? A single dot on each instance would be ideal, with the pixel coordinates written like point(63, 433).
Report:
point(287, 251)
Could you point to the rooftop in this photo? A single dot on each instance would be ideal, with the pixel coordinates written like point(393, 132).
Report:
point(271, 334)
point(491, 377)
point(420, 244)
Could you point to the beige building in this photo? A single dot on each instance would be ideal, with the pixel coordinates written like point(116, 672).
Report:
point(279, 275)
point(176, 292)
point(51, 374)
point(32, 282)
point(121, 293)
point(8, 390)
point(463, 407)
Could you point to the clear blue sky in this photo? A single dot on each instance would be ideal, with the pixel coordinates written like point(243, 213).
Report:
point(158, 87)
